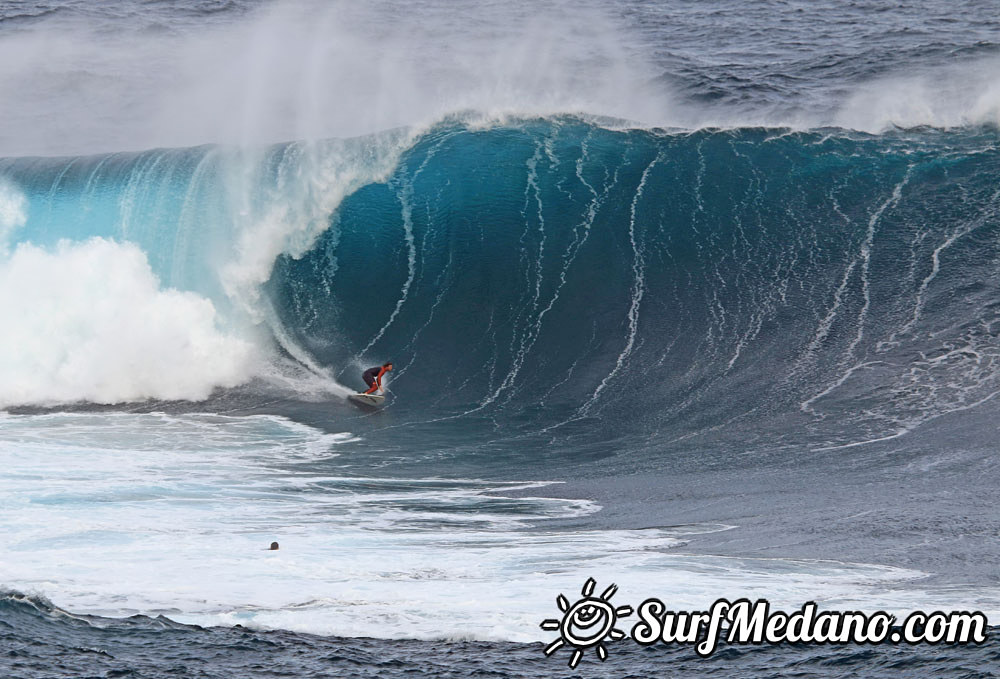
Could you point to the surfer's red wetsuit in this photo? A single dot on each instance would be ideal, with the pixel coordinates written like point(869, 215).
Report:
point(373, 377)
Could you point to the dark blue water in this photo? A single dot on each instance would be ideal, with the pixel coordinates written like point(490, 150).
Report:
point(157, 647)
point(752, 281)
point(725, 270)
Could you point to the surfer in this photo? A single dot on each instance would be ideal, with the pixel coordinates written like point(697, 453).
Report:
point(373, 377)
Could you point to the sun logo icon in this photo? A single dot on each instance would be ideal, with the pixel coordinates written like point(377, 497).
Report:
point(587, 623)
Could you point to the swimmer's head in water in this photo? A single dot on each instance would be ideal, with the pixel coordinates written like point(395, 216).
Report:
point(274, 545)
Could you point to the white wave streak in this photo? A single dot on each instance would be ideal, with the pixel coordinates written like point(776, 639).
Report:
point(638, 289)
point(959, 233)
point(525, 340)
point(866, 256)
point(406, 211)
point(823, 330)
point(865, 260)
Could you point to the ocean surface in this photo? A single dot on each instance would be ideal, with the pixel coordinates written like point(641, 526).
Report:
point(696, 298)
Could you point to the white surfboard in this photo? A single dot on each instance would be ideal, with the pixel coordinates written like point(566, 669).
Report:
point(368, 399)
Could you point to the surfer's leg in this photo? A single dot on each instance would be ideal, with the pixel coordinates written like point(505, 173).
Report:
point(370, 381)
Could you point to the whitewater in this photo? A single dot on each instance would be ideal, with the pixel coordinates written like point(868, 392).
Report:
point(699, 299)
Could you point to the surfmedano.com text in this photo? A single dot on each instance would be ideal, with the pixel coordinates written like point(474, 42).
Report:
point(746, 622)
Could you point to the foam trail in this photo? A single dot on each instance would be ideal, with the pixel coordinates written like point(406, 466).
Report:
point(442, 289)
point(959, 233)
point(638, 289)
point(13, 212)
point(864, 256)
point(530, 336)
point(526, 339)
point(580, 235)
point(406, 202)
point(831, 315)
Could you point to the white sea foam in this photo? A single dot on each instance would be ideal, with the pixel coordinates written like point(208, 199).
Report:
point(119, 514)
point(89, 321)
point(13, 212)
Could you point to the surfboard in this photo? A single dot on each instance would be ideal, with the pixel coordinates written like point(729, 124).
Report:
point(373, 400)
